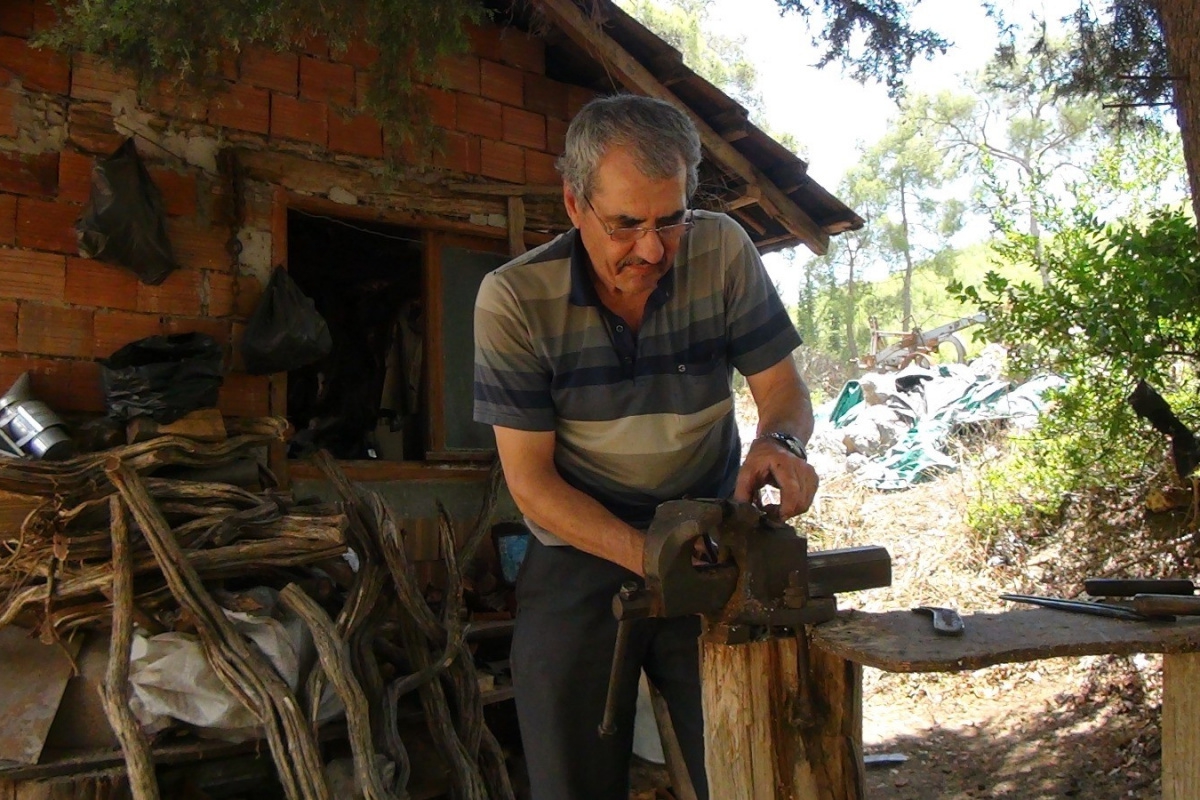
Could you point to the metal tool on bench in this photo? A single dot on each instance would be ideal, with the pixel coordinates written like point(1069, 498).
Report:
point(946, 621)
point(1141, 608)
point(763, 577)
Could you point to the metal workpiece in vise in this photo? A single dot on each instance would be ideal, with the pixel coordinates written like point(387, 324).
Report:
point(761, 577)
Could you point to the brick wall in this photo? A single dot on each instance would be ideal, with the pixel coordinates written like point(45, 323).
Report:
point(502, 118)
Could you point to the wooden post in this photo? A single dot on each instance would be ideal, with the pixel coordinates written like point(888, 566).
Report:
point(771, 736)
point(1181, 726)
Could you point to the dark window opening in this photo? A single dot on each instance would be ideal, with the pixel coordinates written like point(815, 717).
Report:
point(367, 399)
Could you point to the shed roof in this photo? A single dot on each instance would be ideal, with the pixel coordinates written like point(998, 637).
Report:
point(746, 172)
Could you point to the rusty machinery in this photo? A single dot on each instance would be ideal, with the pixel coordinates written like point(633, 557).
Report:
point(762, 579)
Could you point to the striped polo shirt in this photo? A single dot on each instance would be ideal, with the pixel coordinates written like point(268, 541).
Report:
point(642, 419)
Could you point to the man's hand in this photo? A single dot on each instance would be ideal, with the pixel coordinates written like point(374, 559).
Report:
point(769, 463)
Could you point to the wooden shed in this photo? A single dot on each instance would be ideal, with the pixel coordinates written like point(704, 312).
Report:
point(279, 168)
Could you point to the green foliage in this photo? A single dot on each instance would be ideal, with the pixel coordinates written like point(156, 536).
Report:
point(187, 40)
point(1119, 309)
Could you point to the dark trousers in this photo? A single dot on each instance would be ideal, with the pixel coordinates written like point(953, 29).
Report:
point(561, 655)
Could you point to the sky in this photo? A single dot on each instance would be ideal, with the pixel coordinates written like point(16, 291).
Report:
point(831, 114)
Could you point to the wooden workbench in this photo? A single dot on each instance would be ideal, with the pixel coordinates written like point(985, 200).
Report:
point(900, 641)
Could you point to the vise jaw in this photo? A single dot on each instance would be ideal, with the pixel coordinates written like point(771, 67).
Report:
point(761, 578)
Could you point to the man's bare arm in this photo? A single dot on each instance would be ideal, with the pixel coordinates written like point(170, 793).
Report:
point(784, 405)
point(544, 497)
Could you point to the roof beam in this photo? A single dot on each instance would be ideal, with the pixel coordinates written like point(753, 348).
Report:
point(588, 35)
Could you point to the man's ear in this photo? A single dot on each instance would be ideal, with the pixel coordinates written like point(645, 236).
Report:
point(573, 205)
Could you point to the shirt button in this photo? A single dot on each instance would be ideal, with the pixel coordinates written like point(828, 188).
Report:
point(683, 367)
point(620, 329)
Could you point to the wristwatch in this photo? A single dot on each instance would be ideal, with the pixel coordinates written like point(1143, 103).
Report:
point(793, 445)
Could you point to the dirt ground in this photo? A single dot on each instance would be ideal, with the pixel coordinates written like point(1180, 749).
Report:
point(1058, 728)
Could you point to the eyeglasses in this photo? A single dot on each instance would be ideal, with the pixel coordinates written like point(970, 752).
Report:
point(668, 234)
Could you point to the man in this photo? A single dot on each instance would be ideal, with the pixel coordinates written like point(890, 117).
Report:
point(604, 363)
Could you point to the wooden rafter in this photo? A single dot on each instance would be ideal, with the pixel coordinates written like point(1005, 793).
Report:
point(584, 32)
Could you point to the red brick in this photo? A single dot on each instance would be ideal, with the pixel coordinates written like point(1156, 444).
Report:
point(524, 128)
point(199, 247)
point(178, 99)
point(556, 136)
point(92, 78)
point(74, 176)
point(243, 107)
point(501, 160)
point(359, 134)
point(245, 395)
point(525, 52)
point(460, 73)
point(476, 115)
point(54, 330)
point(179, 294)
point(8, 108)
point(115, 329)
point(501, 83)
point(99, 285)
point(35, 175)
point(221, 288)
point(327, 82)
point(357, 54)
point(46, 225)
point(63, 385)
point(546, 96)
point(26, 275)
point(236, 364)
point(41, 69)
point(247, 292)
point(16, 18)
point(268, 69)
point(299, 119)
point(8, 327)
point(178, 191)
point(485, 40)
point(45, 15)
point(8, 219)
point(539, 169)
point(458, 152)
point(443, 107)
point(577, 98)
point(90, 128)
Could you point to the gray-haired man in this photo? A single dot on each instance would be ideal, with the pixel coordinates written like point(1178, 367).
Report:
point(604, 363)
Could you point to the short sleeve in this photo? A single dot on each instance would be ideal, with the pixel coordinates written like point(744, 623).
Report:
point(512, 384)
point(760, 332)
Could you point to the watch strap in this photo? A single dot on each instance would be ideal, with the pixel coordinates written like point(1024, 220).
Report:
point(793, 445)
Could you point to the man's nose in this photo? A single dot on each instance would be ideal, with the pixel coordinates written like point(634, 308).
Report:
point(650, 247)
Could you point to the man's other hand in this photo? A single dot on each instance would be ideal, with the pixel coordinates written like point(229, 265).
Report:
point(769, 463)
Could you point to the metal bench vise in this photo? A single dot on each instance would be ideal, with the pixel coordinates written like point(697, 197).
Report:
point(756, 576)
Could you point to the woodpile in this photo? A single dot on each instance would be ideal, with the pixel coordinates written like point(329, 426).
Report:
point(107, 545)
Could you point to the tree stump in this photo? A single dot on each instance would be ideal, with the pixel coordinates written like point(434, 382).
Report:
point(773, 732)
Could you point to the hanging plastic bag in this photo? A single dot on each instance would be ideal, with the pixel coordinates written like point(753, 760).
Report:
point(124, 222)
point(286, 331)
point(164, 377)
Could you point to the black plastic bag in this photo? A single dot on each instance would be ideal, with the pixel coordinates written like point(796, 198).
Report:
point(286, 331)
point(124, 222)
point(164, 377)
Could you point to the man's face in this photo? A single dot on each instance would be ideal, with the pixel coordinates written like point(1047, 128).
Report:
point(625, 198)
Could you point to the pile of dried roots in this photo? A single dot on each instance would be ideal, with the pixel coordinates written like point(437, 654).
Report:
point(106, 545)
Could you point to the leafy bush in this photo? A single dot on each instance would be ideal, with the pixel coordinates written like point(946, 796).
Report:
point(1120, 307)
